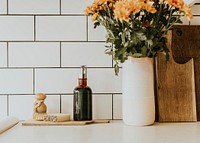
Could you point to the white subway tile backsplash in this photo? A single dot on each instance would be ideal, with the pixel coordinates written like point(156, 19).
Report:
point(185, 21)
point(42, 44)
point(74, 6)
point(34, 7)
point(103, 80)
point(195, 21)
point(3, 6)
point(195, 9)
point(67, 105)
point(34, 54)
point(117, 106)
point(56, 80)
point(21, 106)
point(95, 34)
point(3, 106)
point(90, 54)
point(53, 104)
point(16, 28)
point(102, 106)
point(61, 28)
point(16, 81)
point(3, 54)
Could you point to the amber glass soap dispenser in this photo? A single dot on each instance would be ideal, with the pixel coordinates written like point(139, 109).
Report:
point(82, 106)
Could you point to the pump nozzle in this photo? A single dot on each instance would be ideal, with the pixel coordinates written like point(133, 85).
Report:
point(83, 72)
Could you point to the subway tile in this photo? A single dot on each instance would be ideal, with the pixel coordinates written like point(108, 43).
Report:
point(90, 54)
point(53, 104)
point(16, 28)
point(56, 80)
point(16, 81)
point(21, 106)
point(3, 106)
point(3, 6)
point(95, 34)
point(74, 6)
point(117, 106)
point(195, 21)
point(185, 21)
point(196, 9)
point(3, 54)
point(102, 106)
point(61, 28)
point(34, 7)
point(103, 80)
point(34, 54)
point(67, 105)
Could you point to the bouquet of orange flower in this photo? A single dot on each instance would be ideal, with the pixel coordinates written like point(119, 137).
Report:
point(137, 28)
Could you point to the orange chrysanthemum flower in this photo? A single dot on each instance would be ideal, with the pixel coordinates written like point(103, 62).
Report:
point(187, 10)
point(176, 3)
point(124, 8)
point(149, 8)
point(89, 10)
point(94, 17)
point(134, 6)
point(121, 12)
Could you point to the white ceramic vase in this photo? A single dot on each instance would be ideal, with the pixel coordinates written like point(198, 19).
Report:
point(138, 91)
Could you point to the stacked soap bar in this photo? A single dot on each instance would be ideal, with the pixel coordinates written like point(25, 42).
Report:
point(57, 117)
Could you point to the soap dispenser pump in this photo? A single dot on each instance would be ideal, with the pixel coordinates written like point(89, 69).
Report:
point(82, 104)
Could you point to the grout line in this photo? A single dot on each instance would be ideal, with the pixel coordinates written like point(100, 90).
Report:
point(24, 14)
point(56, 67)
point(33, 80)
point(23, 94)
point(56, 41)
point(34, 28)
point(8, 105)
point(7, 44)
point(60, 103)
point(7, 8)
point(112, 107)
point(60, 54)
point(60, 7)
point(87, 29)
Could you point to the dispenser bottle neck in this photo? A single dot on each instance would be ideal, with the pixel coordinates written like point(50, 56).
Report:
point(82, 82)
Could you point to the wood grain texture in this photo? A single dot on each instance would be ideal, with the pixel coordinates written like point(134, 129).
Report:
point(67, 123)
point(175, 88)
point(197, 85)
point(186, 45)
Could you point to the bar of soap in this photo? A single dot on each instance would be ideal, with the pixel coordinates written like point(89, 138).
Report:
point(57, 117)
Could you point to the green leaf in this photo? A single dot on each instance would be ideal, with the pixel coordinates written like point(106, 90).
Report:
point(149, 43)
point(109, 52)
point(144, 51)
point(141, 36)
point(116, 67)
point(96, 23)
point(137, 55)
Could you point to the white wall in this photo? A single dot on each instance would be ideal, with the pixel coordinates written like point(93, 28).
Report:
point(43, 43)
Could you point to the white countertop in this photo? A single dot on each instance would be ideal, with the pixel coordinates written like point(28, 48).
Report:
point(114, 132)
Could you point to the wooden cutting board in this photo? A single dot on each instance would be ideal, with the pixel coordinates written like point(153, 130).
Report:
point(175, 87)
point(185, 46)
point(75, 123)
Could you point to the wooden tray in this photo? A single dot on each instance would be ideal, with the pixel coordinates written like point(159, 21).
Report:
point(43, 123)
